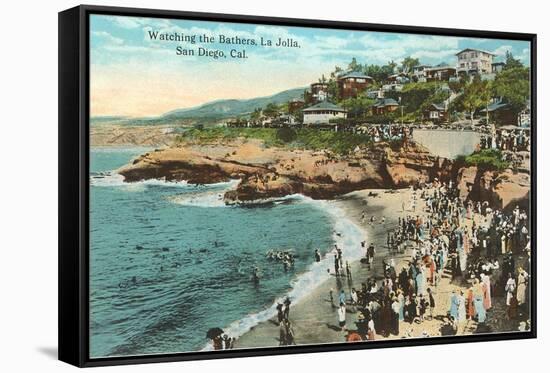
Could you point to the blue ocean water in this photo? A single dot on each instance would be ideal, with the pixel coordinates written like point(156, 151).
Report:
point(168, 260)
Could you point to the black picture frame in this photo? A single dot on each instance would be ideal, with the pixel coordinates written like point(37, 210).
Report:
point(74, 184)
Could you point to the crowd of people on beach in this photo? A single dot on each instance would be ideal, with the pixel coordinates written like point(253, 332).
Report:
point(482, 252)
point(467, 241)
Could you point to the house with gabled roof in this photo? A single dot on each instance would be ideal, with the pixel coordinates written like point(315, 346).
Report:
point(353, 83)
point(384, 105)
point(323, 113)
point(436, 113)
point(500, 113)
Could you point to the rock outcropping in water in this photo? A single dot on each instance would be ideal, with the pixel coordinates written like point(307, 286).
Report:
point(277, 172)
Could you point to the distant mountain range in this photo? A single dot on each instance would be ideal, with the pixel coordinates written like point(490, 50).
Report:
point(230, 108)
point(212, 111)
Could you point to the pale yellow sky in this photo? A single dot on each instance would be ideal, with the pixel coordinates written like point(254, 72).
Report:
point(126, 91)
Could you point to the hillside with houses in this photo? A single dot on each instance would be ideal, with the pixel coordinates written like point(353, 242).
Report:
point(473, 92)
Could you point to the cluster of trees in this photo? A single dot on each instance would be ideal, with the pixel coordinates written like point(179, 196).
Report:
point(511, 85)
point(414, 96)
point(270, 111)
point(381, 72)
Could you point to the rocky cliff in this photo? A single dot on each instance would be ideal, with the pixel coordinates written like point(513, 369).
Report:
point(502, 189)
point(276, 172)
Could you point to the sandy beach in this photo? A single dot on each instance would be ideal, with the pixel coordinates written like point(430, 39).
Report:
point(314, 319)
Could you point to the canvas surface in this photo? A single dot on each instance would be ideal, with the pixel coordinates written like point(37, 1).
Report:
point(263, 186)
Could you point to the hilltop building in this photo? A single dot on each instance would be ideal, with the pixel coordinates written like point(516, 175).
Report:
point(474, 61)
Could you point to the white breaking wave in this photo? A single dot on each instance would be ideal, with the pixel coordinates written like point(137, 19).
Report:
point(121, 149)
point(206, 195)
point(348, 237)
point(113, 179)
point(211, 196)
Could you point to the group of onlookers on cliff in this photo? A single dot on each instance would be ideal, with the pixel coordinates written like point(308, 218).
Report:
point(506, 140)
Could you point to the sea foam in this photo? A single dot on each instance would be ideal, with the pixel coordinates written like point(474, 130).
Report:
point(210, 195)
point(347, 235)
point(205, 195)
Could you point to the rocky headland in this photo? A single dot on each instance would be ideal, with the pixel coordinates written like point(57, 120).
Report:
point(271, 172)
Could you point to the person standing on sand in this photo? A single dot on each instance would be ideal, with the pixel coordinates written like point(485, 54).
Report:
point(317, 255)
point(342, 316)
point(396, 309)
point(282, 334)
point(342, 297)
point(403, 280)
point(286, 308)
point(371, 251)
point(431, 303)
point(336, 248)
point(227, 341)
point(280, 315)
point(461, 307)
point(479, 308)
point(422, 306)
point(420, 281)
point(401, 300)
point(336, 265)
point(348, 270)
point(354, 297)
point(470, 307)
point(371, 331)
point(453, 311)
point(411, 309)
point(289, 333)
point(522, 286)
point(510, 288)
point(486, 287)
